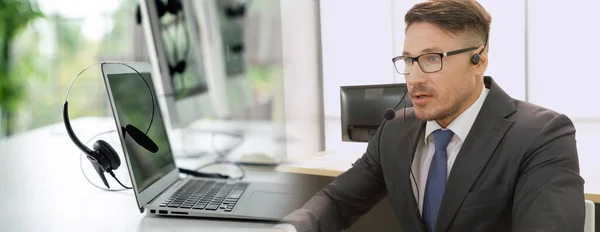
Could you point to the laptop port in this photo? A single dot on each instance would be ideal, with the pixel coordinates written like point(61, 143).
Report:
point(163, 212)
point(180, 213)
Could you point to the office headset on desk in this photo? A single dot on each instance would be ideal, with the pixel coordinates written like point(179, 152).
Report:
point(103, 156)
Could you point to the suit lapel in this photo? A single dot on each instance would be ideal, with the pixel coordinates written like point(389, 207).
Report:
point(475, 152)
point(414, 128)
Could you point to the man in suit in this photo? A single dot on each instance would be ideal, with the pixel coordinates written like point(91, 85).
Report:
point(466, 156)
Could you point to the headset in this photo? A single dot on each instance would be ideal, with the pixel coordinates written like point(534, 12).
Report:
point(103, 156)
point(477, 56)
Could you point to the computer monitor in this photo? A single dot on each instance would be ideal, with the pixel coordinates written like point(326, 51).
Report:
point(176, 52)
point(363, 106)
point(225, 53)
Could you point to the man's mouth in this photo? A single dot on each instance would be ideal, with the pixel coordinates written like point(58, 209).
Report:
point(420, 99)
point(420, 96)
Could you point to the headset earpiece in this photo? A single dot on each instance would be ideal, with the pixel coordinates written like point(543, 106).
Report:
point(178, 68)
point(171, 6)
point(109, 154)
point(103, 157)
point(475, 59)
point(174, 6)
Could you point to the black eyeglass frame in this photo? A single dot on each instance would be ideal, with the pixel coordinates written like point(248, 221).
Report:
point(442, 55)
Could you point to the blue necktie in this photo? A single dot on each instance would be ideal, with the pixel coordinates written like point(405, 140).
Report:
point(436, 180)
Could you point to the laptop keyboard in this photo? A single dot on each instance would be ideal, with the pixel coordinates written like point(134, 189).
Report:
point(206, 195)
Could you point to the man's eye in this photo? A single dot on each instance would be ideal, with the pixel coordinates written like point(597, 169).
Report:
point(432, 59)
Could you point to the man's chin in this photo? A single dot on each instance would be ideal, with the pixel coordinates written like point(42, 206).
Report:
point(424, 114)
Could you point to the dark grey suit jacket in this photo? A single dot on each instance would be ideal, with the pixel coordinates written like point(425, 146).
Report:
point(517, 170)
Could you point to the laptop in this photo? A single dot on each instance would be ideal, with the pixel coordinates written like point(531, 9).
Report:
point(156, 180)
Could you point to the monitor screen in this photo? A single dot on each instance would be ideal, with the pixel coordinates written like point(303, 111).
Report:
point(179, 41)
point(362, 108)
point(231, 19)
point(133, 106)
point(176, 51)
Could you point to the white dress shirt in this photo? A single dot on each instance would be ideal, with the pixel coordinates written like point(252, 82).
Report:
point(425, 149)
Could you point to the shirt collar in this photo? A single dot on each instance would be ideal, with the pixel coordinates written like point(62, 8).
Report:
point(463, 123)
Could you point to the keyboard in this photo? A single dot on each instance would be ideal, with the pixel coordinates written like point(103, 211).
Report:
point(206, 195)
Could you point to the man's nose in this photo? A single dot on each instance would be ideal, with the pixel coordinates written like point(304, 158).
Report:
point(416, 75)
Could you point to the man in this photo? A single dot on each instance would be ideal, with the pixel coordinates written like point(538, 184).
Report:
point(466, 156)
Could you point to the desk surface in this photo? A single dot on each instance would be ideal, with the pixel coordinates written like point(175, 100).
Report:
point(333, 164)
point(44, 190)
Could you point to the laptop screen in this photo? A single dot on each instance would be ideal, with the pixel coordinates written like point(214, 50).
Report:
point(133, 103)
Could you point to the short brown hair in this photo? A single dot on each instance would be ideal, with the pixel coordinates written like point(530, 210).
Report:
point(453, 16)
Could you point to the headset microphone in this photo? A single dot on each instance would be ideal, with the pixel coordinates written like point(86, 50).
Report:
point(389, 114)
point(140, 138)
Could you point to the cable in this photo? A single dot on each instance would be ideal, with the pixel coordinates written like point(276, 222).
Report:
point(187, 154)
point(111, 173)
point(385, 120)
point(220, 159)
point(413, 155)
point(215, 175)
point(223, 154)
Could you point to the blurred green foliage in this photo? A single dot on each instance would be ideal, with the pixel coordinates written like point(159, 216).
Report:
point(43, 54)
point(15, 16)
point(68, 52)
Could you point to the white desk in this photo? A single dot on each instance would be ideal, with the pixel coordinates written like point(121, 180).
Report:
point(43, 189)
point(333, 164)
point(342, 154)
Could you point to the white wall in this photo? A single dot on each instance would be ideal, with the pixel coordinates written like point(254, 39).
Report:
point(357, 46)
point(564, 57)
point(507, 45)
point(357, 50)
point(563, 53)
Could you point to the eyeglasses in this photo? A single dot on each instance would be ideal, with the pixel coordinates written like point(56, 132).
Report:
point(428, 62)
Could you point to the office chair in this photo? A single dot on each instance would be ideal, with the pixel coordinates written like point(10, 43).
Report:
point(590, 217)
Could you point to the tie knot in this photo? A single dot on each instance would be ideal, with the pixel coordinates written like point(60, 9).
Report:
point(441, 138)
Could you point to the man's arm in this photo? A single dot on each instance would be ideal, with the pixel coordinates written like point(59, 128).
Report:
point(343, 201)
point(549, 193)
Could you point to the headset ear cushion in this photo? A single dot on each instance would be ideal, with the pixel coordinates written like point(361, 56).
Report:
point(475, 59)
point(109, 153)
